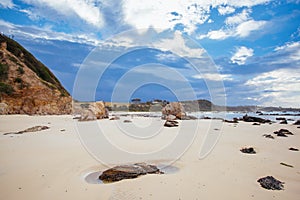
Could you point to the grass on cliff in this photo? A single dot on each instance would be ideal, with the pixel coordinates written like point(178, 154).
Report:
point(40, 69)
point(6, 89)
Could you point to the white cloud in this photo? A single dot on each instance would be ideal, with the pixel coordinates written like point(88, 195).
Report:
point(246, 28)
point(292, 49)
point(240, 25)
point(7, 3)
point(214, 77)
point(87, 10)
point(241, 55)
point(225, 10)
point(161, 14)
point(46, 33)
point(238, 18)
point(277, 88)
point(167, 57)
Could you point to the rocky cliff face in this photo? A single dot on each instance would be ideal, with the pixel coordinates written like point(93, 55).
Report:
point(26, 85)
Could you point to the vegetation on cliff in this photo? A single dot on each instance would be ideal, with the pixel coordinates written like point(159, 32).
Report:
point(29, 60)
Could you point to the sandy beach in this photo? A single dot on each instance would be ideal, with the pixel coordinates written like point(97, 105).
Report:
point(54, 163)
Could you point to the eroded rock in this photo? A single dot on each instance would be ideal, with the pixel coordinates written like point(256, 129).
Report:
point(128, 172)
point(174, 108)
point(32, 129)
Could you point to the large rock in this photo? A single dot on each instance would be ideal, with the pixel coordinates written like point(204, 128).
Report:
point(3, 109)
point(128, 172)
point(90, 111)
point(247, 118)
point(174, 108)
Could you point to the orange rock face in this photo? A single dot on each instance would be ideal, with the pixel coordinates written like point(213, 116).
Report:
point(27, 93)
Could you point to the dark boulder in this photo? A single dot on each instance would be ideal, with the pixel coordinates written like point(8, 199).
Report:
point(247, 118)
point(249, 150)
point(256, 124)
point(293, 149)
point(128, 172)
point(270, 183)
point(280, 118)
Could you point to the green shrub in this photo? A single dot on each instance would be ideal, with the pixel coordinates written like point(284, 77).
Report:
point(13, 59)
point(3, 72)
point(18, 80)
point(6, 89)
point(20, 70)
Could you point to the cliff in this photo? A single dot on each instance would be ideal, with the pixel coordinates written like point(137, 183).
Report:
point(26, 85)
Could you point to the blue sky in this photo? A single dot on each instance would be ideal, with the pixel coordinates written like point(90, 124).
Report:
point(228, 51)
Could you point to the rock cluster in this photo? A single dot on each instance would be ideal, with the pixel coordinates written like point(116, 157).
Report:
point(283, 133)
point(128, 172)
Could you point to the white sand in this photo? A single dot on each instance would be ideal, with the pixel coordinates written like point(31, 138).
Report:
point(52, 164)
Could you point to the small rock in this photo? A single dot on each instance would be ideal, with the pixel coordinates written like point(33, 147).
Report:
point(270, 183)
point(249, 150)
point(256, 124)
point(115, 118)
point(268, 136)
point(283, 122)
point(280, 118)
point(171, 123)
point(297, 122)
point(287, 165)
point(127, 121)
point(231, 121)
point(293, 149)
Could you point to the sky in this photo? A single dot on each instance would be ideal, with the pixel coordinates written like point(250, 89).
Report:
point(227, 51)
